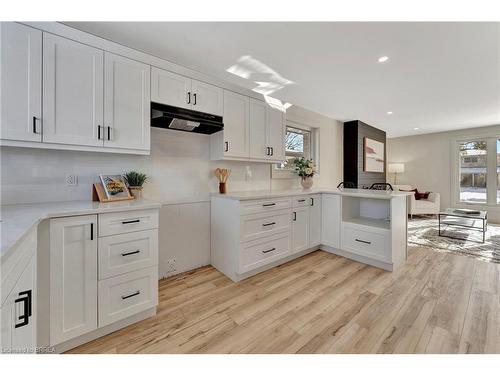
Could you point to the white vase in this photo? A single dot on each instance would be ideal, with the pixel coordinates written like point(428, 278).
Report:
point(136, 191)
point(306, 182)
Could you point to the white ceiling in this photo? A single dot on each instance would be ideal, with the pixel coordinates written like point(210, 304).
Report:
point(440, 76)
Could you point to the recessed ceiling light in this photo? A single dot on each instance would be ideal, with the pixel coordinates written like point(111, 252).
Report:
point(389, 112)
point(416, 128)
point(383, 59)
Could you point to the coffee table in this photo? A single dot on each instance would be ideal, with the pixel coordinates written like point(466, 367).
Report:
point(458, 219)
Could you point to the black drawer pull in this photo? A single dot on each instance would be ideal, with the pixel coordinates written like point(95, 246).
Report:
point(268, 224)
point(268, 204)
point(312, 202)
point(294, 216)
point(268, 251)
point(363, 241)
point(26, 300)
point(301, 200)
point(131, 295)
point(131, 253)
point(131, 221)
point(92, 231)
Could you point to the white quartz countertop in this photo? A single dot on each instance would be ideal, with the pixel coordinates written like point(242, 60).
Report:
point(18, 219)
point(264, 194)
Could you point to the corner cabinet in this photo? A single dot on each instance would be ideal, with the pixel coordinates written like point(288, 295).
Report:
point(21, 91)
point(91, 100)
point(253, 131)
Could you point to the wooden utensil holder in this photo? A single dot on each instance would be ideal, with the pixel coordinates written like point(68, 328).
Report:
point(222, 187)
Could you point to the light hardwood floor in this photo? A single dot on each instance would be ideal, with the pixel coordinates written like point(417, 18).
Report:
point(322, 303)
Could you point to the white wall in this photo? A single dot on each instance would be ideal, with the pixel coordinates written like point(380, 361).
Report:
point(181, 178)
point(427, 162)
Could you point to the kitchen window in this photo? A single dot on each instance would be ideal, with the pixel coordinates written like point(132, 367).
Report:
point(300, 141)
point(477, 177)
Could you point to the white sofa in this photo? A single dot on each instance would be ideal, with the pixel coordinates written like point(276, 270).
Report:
point(430, 206)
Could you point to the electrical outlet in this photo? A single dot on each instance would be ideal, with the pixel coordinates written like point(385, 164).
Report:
point(171, 266)
point(71, 179)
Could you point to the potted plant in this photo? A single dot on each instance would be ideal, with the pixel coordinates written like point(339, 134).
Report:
point(135, 180)
point(306, 169)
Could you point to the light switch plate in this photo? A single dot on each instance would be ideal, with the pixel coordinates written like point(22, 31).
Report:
point(71, 179)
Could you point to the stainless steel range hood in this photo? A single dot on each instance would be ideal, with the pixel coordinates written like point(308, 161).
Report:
point(175, 118)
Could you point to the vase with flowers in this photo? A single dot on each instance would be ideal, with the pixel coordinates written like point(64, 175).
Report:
point(306, 169)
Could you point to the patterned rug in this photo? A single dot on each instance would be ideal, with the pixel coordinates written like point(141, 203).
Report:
point(424, 232)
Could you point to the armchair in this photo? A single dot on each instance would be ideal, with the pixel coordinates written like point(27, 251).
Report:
point(429, 206)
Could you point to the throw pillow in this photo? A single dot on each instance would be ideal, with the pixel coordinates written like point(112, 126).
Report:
point(422, 195)
point(414, 191)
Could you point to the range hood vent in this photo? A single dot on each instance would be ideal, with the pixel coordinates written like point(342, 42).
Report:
point(175, 118)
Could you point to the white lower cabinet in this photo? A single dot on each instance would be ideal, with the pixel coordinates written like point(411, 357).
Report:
point(366, 241)
point(314, 220)
point(73, 277)
point(101, 274)
point(18, 314)
point(127, 294)
point(300, 229)
point(330, 220)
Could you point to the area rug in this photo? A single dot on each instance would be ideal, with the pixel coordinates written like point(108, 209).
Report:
point(424, 232)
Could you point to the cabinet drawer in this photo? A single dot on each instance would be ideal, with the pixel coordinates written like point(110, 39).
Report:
point(258, 253)
point(125, 222)
point(258, 225)
point(301, 201)
point(127, 252)
point(372, 243)
point(128, 294)
point(254, 207)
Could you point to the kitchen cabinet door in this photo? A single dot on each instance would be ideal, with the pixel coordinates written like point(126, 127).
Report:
point(73, 277)
point(259, 148)
point(170, 88)
point(330, 213)
point(300, 229)
point(276, 133)
point(72, 92)
point(126, 103)
point(206, 98)
point(236, 125)
point(315, 220)
point(21, 72)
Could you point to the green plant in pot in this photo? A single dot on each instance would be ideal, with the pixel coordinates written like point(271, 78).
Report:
point(306, 169)
point(135, 180)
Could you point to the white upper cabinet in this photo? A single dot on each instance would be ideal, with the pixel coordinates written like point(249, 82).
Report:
point(179, 91)
point(126, 103)
point(72, 92)
point(21, 92)
point(276, 133)
point(259, 148)
point(206, 98)
point(236, 125)
point(170, 88)
point(73, 297)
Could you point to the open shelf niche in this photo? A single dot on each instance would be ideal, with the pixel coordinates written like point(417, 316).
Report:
point(369, 212)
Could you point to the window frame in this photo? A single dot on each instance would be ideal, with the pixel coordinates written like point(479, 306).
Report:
point(491, 171)
point(289, 174)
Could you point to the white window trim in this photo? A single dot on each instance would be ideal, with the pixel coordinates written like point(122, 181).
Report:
point(491, 182)
point(287, 174)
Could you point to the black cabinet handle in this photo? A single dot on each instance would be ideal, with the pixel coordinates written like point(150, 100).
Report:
point(268, 251)
point(268, 204)
point(92, 231)
point(194, 95)
point(131, 221)
point(301, 200)
point(268, 224)
point(109, 133)
point(294, 216)
point(131, 253)
point(226, 146)
point(27, 302)
point(363, 241)
point(98, 131)
point(189, 98)
point(131, 295)
point(312, 202)
point(268, 152)
point(272, 151)
point(34, 125)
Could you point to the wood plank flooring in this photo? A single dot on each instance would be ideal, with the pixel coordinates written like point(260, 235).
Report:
point(323, 303)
